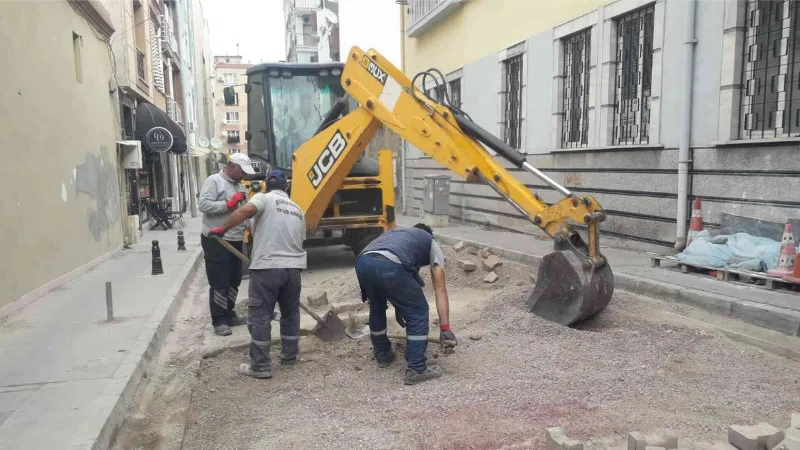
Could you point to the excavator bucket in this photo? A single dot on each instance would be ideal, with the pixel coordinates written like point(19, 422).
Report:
point(569, 288)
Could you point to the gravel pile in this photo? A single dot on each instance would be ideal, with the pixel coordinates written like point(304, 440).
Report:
point(632, 368)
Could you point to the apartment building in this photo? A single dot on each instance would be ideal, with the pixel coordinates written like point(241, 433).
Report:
point(230, 120)
point(312, 30)
point(644, 104)
point(61, 202)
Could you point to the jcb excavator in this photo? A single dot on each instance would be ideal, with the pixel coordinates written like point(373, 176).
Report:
point(574, 281)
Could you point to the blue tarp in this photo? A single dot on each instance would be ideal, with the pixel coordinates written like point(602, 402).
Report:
point(739, 251)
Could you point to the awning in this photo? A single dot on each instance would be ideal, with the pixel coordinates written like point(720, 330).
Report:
point(152, 125)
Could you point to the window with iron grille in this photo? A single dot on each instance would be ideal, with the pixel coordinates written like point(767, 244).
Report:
point(436, 93)
point(233, 137)
point(634, 73)
point(577, 61)
point(513, 85)
point(455, 92)
point(770, 102)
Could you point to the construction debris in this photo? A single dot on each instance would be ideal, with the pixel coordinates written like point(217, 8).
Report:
point(491, 277)
point(460, 246)
point(472, 250)
point(318, 300)
point(759, 437)
point(557, 440)
point(487, 252)
point(638, 441)
point(467, 266)
point(475, 337)
point(491, 262)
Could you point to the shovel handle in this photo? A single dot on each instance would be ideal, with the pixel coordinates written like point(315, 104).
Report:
point(314, 315)
point(231, 249)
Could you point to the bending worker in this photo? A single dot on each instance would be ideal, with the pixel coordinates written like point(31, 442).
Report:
point(388, 269)
point(220, 195)
point(279, 230)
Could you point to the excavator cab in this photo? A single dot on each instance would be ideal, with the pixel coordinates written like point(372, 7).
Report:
point(287, 105)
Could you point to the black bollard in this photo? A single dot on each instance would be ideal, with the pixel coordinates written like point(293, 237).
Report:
point(158, 268)
point(181, 241)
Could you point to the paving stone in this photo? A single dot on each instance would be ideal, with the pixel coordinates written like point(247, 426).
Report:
point(339, 308)
point(459, 246)
point(558, 440)
point(491, 262)
point(472, 250)
point(491, 277)
point(796, 420)
point(318, 300)
point(467, 266)
point(487, 252)
point(667, 440)
point(636, 441)
point(758, 437)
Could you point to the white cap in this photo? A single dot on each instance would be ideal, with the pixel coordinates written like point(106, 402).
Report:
point(242, 161)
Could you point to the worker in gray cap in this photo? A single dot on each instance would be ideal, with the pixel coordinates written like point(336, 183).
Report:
point(221, 194)
point(278, 257)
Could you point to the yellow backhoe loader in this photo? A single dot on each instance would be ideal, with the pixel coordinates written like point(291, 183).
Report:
point(574, 281)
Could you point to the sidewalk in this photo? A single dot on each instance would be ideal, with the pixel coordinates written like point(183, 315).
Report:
point(776, 310)
point(67, 375)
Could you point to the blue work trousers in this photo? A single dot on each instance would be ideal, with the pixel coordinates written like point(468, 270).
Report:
point(383, 280)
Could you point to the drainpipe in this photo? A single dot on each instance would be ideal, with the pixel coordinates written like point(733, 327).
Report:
point(684, 151)
point(403, 143)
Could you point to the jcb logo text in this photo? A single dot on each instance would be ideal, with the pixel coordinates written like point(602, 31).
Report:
point(327, 158)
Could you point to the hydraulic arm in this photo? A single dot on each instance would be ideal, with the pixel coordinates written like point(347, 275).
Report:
point(574, 282)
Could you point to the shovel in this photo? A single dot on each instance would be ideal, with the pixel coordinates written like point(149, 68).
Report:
point(328, 329)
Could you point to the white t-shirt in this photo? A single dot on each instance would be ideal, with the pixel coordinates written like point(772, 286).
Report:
point(279, 229)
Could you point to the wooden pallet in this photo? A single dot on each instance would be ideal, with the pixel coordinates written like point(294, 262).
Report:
point(723, 274)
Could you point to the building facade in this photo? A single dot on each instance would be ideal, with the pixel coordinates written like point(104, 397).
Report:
point(230, 120)
point(644, 104)
point(62, 203)
point(312, 30)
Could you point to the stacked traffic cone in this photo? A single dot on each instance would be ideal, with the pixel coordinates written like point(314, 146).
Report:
point(696, 224)
point(788, 254)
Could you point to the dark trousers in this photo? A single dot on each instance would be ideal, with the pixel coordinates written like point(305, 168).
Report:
point(383, 280)
point(224, 272)
point(267, 287)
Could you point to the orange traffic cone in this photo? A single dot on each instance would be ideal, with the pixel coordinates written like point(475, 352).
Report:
point(696, 224)
point(788, 254)
point(794, 277)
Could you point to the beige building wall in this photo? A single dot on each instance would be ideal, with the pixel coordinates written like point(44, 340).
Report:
point(60, 202)
point(230, 65)
point(481, 27)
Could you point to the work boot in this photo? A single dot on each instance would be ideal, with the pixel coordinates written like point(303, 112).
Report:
point(234, 320)
point(430, 373)
point(244, 369)
point(223, 330)
point(289, 362)
point(387, 362)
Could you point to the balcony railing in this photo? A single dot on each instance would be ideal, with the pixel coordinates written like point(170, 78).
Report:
point(308, 40)
point(307, 4)
point(425, 14)
point(174, 110)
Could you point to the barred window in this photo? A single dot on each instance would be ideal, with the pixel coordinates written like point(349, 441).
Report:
point(512, 106)
point(634, 73)
point(575, 121)
point(770, 102)
point(455, 92)
point(437, 93)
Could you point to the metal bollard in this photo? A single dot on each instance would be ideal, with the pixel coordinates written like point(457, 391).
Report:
point(181, 242)
point(109, 303)
point(158, 268)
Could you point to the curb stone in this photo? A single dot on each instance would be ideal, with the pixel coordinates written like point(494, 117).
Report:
point(763, 315)
point(127, 377)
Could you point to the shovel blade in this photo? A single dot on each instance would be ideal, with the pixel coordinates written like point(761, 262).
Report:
point(566, 292)
point(332, 329)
